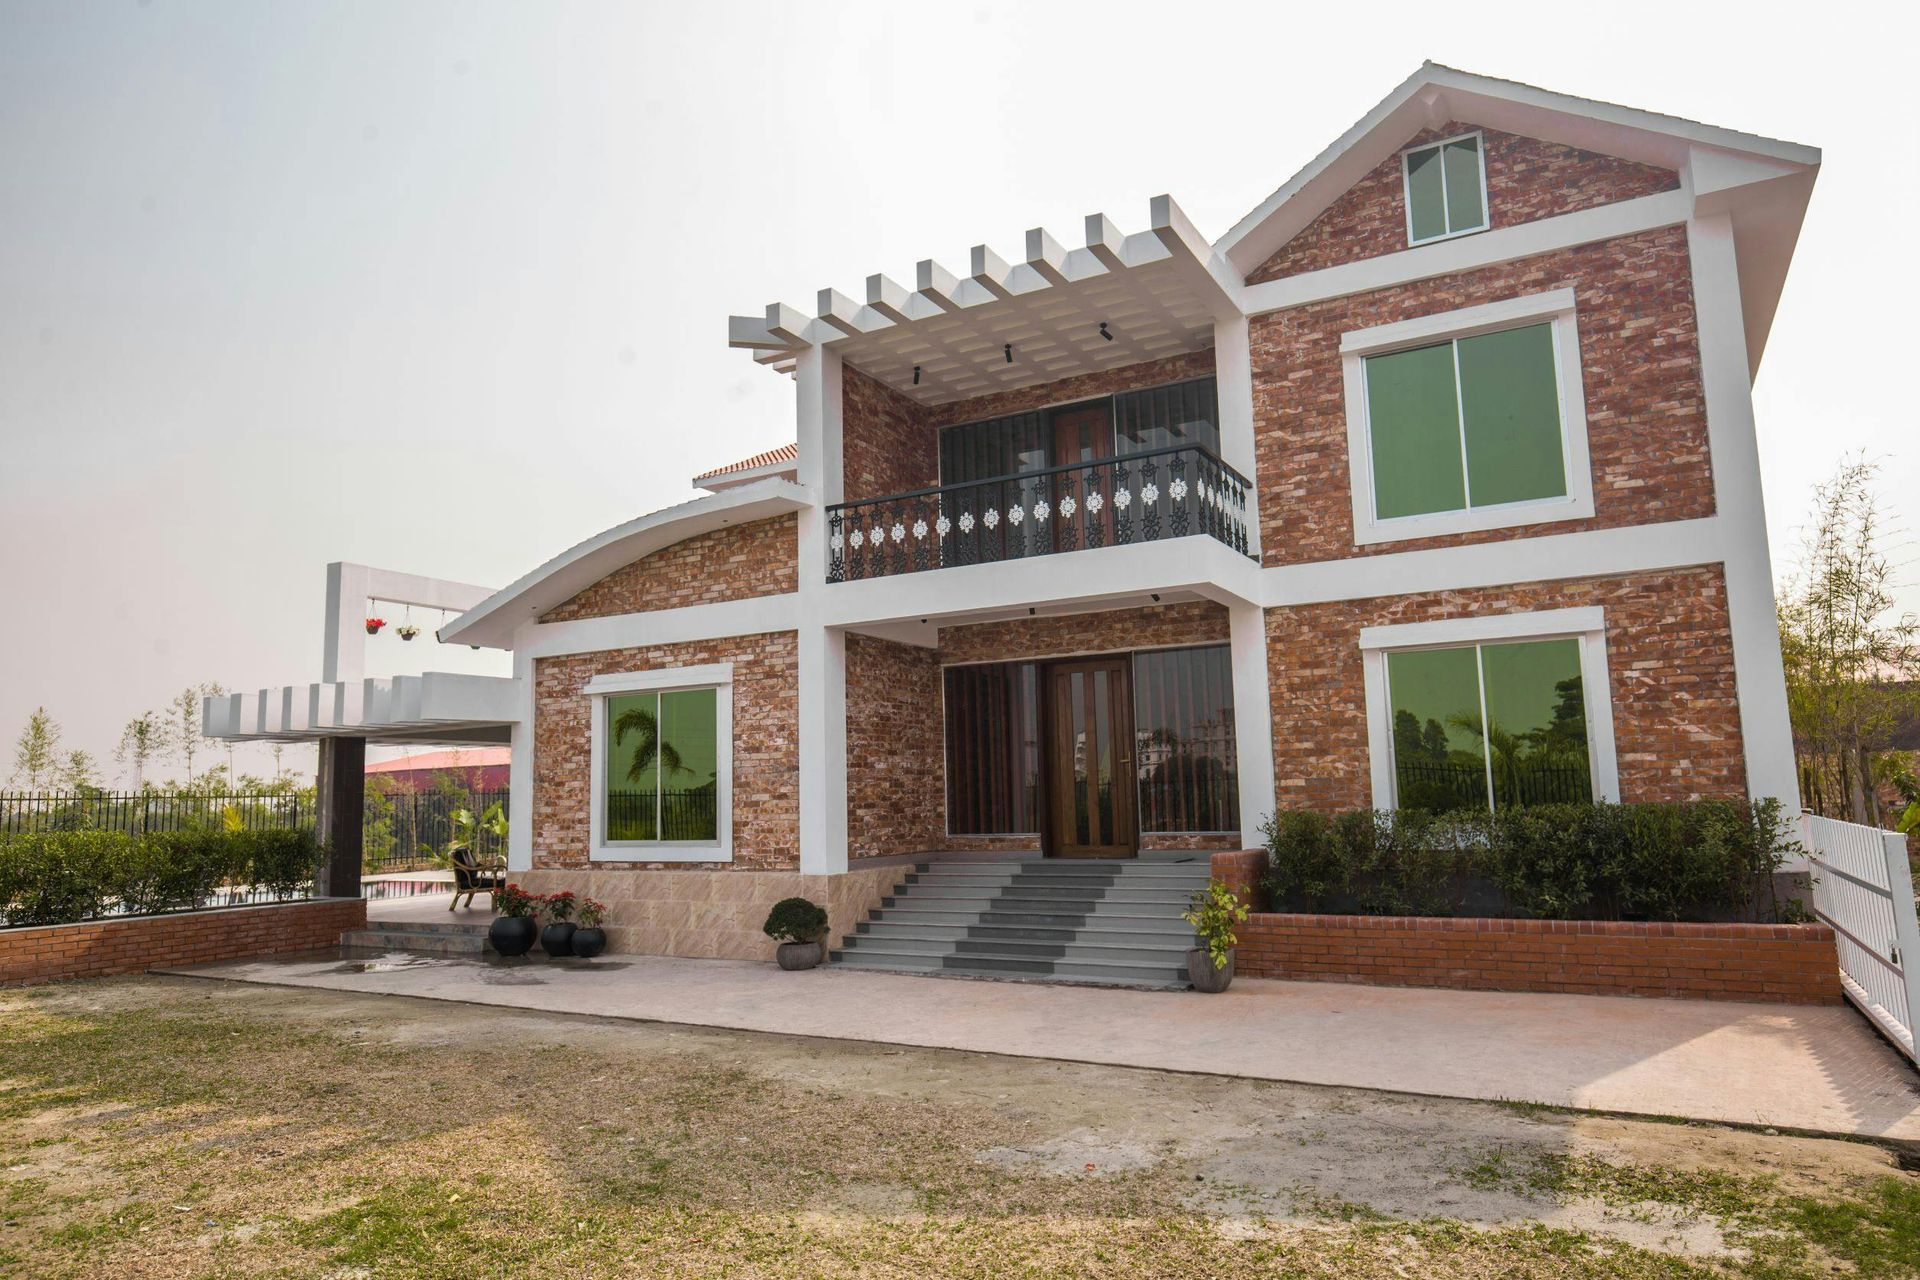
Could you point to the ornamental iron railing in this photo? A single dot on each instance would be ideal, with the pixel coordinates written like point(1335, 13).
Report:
point(1111, 502)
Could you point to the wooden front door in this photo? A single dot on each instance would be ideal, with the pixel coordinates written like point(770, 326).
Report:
point(1091, 793)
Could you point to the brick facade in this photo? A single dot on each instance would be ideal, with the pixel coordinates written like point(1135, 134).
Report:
point(896, 757)
point(1774, 963)
point(101, 948)
point(1527, 179)
point(1113, 631)
point(766, 787)
point(1640, 361)
point(735, 563)
point(1676, 711)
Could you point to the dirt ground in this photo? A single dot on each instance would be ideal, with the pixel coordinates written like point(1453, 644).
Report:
point(175, 1127)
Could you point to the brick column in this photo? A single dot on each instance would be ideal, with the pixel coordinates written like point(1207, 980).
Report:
point(1242, 870)
point(342, 797)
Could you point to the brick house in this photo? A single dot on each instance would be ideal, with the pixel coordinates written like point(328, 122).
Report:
point(1432, 481)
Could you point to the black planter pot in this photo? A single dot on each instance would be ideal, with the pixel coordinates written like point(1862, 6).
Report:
point(557, 938)
point(588, 943)
point(798, 955)
point(1203, 974)
point(511, 935)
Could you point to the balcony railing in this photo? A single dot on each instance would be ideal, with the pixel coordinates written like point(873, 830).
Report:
point(1112, 502)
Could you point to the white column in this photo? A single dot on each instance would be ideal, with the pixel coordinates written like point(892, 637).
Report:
point(520, 767)
point(1759, 675)
point(1233, 377)
point(343, 650)
point(823, 750)
point(1252, 718)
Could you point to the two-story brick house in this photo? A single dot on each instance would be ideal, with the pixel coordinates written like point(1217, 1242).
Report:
point(1433, 481)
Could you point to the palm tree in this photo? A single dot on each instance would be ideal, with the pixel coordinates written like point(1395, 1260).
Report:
point(640, 721)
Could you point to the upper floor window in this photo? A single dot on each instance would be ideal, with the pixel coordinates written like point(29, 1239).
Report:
point(1446, 184)
point(1467, 420)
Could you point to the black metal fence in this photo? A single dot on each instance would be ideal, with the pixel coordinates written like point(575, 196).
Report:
point(673, 815)
point(410, 830)
point(1139, 497)
point(140, 811)
point(1444, 786)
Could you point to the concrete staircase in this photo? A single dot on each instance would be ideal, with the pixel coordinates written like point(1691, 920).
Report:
point(1065, 920)
point(453, 938)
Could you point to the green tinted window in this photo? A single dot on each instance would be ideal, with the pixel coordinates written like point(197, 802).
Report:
point(1439, 751)
point(1444, 195)
point(1530, 747)
point(663, 766)
point(1415, 427)
point(1461, 164)
point(1511, 416)
point(1474, 422)
point(1536, 703)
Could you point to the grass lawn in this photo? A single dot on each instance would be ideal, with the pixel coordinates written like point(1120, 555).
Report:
point(168, 1127)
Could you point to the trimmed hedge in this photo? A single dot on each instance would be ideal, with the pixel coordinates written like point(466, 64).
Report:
point(1698, 860)
point(57, 877)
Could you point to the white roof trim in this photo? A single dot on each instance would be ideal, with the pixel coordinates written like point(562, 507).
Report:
point(1435, 94)
point(493, 621)
point(436, 706)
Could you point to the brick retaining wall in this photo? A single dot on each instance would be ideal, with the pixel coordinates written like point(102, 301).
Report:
point(1772, 963)
point(100, 948)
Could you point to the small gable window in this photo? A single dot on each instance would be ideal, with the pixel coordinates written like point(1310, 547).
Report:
point(1446, 188)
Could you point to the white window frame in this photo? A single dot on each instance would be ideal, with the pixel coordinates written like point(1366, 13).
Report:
point(1556, 307)
point(719, 678)
point(1406, 189)
point(1588, 625)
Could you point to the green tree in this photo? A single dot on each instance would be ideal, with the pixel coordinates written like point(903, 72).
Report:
point(79, 772)
point(1850, 660)
point(143, 738)
point(184, 729)
point(36, 753)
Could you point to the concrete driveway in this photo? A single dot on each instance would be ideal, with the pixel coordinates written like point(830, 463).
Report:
point(1791, 1067)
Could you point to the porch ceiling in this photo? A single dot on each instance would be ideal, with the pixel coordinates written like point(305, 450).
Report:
point(1158, 292)
point(436, 707)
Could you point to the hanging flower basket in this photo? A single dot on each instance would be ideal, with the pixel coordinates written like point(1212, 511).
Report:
point(374, 625)
point(406, 631)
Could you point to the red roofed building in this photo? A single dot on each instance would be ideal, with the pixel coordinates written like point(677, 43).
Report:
point(475, 768)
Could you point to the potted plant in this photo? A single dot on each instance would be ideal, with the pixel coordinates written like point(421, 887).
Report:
point(511, 933)
point(406, 631)
point(556, 939)
point(797, 925)
point(1213, 913)
point(589, 939)
point(374, 624)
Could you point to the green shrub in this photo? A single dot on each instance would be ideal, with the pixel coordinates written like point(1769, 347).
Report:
point(1702, 859)
point(56, 877)
point(795, 920)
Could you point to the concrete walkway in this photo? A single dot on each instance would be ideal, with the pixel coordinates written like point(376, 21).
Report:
point(1817, 1069)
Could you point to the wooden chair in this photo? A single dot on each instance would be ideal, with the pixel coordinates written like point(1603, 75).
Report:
point(471, 875)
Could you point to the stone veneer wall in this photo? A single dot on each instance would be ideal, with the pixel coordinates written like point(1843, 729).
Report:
point(896, 753)
point(1527, 179)
point(695, 913)
point(739, 562)
point(766, 788)
point(1676, 712)
point(1640, 362)
point(101, 948)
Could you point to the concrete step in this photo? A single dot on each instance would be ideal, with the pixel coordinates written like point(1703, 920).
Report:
point(422, 942)
point(1109, 972)
point(1173, 933)
point(1020, 949)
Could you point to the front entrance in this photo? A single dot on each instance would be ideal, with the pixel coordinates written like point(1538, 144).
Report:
point(1091, 798)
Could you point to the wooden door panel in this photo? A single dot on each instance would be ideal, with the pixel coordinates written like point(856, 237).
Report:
point(1090, 769)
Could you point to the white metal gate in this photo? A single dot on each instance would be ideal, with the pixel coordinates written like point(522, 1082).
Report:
point(1863, 887)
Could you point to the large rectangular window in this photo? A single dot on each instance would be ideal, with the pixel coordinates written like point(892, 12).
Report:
point(1495, 725)
point(662, 767)
point(1164, 417)
point(1467, 423)
point(1445, 189)
point(1184, 750)
point(1167, 417)
point(993, 749)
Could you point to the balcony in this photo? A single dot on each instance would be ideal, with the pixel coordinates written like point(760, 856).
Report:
point(1179, 492)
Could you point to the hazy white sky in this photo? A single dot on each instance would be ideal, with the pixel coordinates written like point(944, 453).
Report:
point(443, 287)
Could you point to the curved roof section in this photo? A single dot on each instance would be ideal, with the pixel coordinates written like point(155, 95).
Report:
point(493, 621)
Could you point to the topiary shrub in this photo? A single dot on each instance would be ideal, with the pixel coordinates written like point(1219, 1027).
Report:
point(57, 877)
point(795, 920)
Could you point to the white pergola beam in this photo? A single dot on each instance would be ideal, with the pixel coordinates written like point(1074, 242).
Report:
point(787, 324)
point(887, 297)
point(990, 271)
point(937, 285)
point(752, 334)
point(1105, 242)
point(1046, 257)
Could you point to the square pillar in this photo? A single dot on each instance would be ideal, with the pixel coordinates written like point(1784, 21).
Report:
point(342, 797)
point(823, 751)
point(1252, 718)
